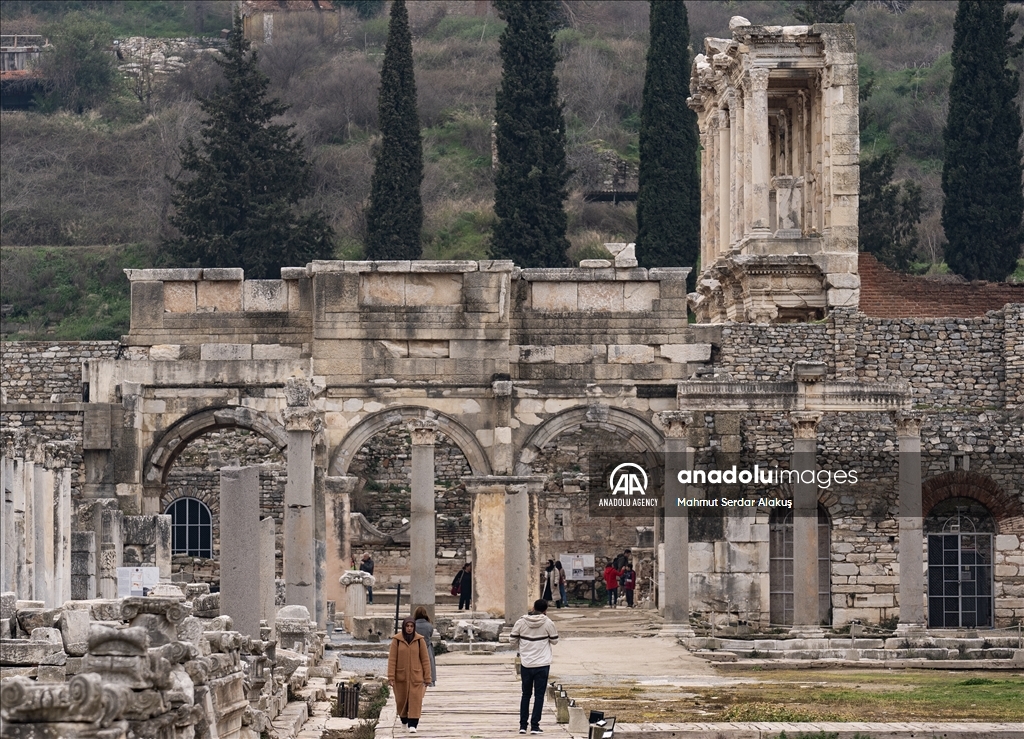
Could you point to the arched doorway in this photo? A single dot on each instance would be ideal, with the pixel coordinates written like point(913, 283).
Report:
point(960, 564)
point(780, 570)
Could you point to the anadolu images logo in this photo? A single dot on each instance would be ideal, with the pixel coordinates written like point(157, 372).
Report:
point(628, 478)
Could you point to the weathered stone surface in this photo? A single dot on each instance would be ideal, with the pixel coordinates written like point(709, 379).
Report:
point(74, 629)
point(30, 619)
point(8, 605)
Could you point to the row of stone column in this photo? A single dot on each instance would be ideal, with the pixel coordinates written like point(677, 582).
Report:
point(680, 455)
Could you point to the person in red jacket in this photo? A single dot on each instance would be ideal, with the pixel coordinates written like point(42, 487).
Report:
point(628, 581)
point(611, 584)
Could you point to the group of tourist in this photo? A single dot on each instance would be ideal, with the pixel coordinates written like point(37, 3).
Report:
point(620, 575)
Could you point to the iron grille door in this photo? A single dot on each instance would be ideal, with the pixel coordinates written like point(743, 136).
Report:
point(960, 580)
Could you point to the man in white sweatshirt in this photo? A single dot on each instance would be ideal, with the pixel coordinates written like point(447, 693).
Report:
point(532, 637)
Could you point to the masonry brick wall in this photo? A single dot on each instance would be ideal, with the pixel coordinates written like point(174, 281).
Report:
point(37, 371)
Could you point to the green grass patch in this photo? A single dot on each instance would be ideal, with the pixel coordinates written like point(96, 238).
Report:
point(68, 293)
point(1018, 274)
point(467, 28)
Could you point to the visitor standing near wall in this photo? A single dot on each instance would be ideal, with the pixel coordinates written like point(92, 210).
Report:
point(628, 581)
point(462, 586)
point(611, 584)
point(426, 629)
point(563, 600)
point(623, 559)
point(532, 637)
point(409, 673)
point(550, 584)
point(367, 566)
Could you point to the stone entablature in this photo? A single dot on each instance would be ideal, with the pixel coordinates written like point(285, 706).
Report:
point(777, 110)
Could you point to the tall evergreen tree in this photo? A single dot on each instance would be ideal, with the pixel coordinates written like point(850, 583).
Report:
point(530, 182)
point(889, 212)
point(981, 172)
point(668, 203)
point(822, 11)
point(238, 207)
point(394, 218)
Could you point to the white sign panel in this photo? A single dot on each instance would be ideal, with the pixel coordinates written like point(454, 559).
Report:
point(577, 566)
point(133, 581)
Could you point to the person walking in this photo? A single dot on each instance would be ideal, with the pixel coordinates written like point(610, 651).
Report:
point(367, 566)
point(426, 629)
point(623, 559)
point(462, 586)
point(628, 582)
point(563, 600)
point(409, 673)
point(611, 584)
point(550, 587)
point(532, 637)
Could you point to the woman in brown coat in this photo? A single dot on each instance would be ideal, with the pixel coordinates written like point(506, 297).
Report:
point(409, 673)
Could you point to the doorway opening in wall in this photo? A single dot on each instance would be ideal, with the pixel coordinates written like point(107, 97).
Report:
point(780, 572)
point(191, 528)
point(960, 565)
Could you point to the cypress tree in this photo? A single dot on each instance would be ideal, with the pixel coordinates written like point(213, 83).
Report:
point(530, 182)
point(981, 172)
point(394, 218)
point(889, 212)
point(822, 11)
point(239, 206)
point(668, 202)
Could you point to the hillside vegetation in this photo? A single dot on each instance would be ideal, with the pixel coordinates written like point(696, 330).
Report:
point(104, 177)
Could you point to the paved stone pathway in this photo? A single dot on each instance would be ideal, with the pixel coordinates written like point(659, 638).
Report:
point(472, 700)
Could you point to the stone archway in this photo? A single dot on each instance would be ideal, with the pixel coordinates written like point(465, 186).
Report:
point(1007, 512)
point(640, 435)
point(161, 457)
point(373, 424)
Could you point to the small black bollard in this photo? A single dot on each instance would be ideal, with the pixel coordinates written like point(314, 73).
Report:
point(348, 700)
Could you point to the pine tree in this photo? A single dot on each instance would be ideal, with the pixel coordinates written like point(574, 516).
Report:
point(239, 206)
point(530, 182)
point(394, 218)
point(668, 202)
point(981, 172)
point(889, 212)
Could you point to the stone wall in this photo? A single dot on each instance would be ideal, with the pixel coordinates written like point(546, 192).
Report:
point(48, 372)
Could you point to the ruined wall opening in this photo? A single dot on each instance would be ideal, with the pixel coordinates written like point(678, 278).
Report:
point(780, 572)
point(960, 564)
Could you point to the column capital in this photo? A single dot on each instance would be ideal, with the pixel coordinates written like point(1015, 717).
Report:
point(758, 78)
point(297, 392)
point(301, 419)
point(805, 424)
point(908, 423)
point(423, 432)
point(673, 423)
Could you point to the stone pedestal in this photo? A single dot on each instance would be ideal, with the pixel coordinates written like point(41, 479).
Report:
point(488, 554)
point(422, 548)
point(678, 456)
point(911, 541)
point(355, 583)
point(806, 618)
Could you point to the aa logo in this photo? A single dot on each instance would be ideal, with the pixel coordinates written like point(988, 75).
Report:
point(628, 479)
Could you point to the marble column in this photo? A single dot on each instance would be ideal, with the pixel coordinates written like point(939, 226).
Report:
point(422, 547)
point(760, 155)
point(724, 184)
point(240, 585)
point(487, 495)
point(301, 422)
point(736, 165)
point(911, 541)
point(337, 513)
point(806, 619)
point(520, 543)
point(678, 456)
point(355, 583)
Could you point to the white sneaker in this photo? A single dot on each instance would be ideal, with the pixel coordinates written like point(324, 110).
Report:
point(413, 730)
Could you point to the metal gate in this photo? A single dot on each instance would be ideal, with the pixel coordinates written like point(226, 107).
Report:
point(780, 572)
point(960, 580)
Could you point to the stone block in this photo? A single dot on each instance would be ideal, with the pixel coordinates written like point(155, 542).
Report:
point(630, 354)
point(209, 352)
point(365, 626)
point(180, 297)
point(595, 264)
point(239, 548)
point(477, 349)
point(875, 600)
point(219, 296)
point(165, 352)
point(640, 296)
point(554, 296)
point(147, 300)
point(683, 353)
point(1007, 543)
point(433, 289)
point(293, 273)
point(843, 280)
point(599, 296)
point(30, 619)
point(226, 274)
point(843, 298)
point(574, 353)
point(536, 354)
point(74, 631)
point(276, 351)
point(8, 605)
point(264, 295)
point(381, 289)
point(428, 349)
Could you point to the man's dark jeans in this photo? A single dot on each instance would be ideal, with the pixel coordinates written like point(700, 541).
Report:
point(535, 680)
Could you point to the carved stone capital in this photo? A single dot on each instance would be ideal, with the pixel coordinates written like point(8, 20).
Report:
point(758, 78)
point(908, 423)
point(673, 423)
point(501, 388)
point(423, 432)
point(301, 419)
point(357, 577)
point(805, 424)
point(297, 392)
